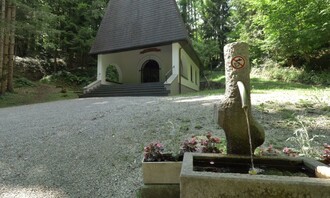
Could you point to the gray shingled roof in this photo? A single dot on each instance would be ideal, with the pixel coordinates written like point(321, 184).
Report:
point(134, 24)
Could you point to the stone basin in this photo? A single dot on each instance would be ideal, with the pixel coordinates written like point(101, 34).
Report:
point(214, 184)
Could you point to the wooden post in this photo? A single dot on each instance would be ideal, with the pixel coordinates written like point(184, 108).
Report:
point(2, 38)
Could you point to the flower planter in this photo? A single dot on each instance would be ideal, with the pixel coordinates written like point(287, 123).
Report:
point(210, 184)
point(161, 172)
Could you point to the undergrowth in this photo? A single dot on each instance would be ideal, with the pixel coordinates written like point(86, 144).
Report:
point(272, 71)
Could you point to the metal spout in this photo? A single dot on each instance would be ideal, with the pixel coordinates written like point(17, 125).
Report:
point(243, 94)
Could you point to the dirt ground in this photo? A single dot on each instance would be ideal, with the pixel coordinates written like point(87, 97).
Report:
point(283, 113)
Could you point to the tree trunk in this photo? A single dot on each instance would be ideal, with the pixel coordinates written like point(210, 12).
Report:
point(11, 63)
point(2, 38)
point(6, 50)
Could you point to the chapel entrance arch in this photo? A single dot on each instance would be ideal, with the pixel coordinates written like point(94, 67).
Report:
point(150, 71)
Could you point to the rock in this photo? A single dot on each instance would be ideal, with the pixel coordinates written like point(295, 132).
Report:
point(322, 172)
point(29, 68)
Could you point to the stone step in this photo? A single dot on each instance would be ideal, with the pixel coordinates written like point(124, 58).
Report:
point(145, 89)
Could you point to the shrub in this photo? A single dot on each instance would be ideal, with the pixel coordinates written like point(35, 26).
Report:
point(210, 144)
point(23, 82)
point(189, 145)
point(66, 78)
point(203, 144)
point(269, 151)
point(273, 71)
point(303, 142)
point(290, 152)
point(153, 152)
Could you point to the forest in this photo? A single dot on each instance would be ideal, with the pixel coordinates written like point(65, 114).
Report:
point(58, 34)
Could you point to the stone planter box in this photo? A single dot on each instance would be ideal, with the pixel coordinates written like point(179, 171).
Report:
point(213, 184)
point(161, 172)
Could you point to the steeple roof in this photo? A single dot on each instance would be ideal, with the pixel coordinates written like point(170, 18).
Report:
point(134, 24)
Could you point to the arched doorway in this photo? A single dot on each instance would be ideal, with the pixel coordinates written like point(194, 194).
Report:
point(150, 71)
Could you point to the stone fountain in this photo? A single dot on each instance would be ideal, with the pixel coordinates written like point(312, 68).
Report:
point(244, 134)
point(229, 113)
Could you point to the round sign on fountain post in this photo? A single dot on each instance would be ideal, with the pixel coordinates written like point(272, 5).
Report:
point(238, 62)
point(229, 113)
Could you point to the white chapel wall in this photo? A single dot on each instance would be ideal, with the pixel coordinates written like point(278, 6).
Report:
point(190, 72)
point(130, 63)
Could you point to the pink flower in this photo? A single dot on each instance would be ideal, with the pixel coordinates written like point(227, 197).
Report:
point(147, 148)
point(270, 148)
point(286, 150)
point(193, 141)
point(204, 142)
point(289, 152)
point(215, 140)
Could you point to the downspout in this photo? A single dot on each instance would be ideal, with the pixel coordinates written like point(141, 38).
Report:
point(180, 66)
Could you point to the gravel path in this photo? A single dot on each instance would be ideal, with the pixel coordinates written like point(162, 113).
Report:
point(91, 147)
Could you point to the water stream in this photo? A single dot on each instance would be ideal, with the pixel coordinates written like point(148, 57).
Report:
point(252, 170)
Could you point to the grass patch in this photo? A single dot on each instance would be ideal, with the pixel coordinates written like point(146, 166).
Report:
point(262, 83)
point(204, 93)
point(215, 76)
point(272, 71)
point(38, 93)
point(259, 84)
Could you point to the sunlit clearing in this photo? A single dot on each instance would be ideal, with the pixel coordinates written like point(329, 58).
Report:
point(101, 103)
point(199, 99)
point(35, 192)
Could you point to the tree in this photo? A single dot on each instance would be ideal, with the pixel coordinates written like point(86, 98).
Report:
point(11, 51)
point(215, 15)
point(58, 29)
point(75, 25)
point(282, 30)
point(207, 25)
point(2, 37)
point(8, 9)
point(191, 15)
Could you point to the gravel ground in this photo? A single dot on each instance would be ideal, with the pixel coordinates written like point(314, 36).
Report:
point(93, 147)
point(90, 147)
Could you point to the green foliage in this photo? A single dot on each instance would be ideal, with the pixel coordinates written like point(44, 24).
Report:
point(303, 141)
point(214, 14)
point(273, 71)
point(58, 29)
point(34, 94)
point(209, 53)
point(112, 74)
point(65, 78)
point(207, 25)
point(23, 82)
point(282, 30)
point(215, 76)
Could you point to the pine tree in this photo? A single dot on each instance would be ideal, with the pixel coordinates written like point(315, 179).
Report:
point(2, 37)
